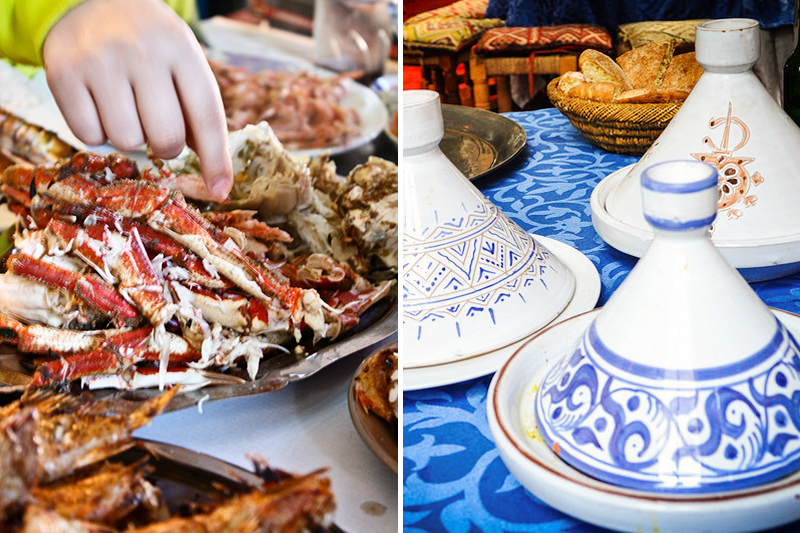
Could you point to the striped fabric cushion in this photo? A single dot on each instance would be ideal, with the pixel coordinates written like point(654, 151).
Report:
point(468, 9)
point(447, 33)
point(524, 41)
point(639, 33)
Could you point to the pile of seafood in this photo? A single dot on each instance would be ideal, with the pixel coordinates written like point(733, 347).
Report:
point(118, 281)
point(304, 110)
point(21, 141)
point(376, 385)
point(352, 219)
point(63, 470)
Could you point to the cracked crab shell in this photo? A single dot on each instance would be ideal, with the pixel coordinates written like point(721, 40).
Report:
point(732, 122)
point(473, 280)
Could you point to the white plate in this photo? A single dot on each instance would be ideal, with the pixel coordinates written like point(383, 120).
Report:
point(372, 112)
point(513, 425)
point(373, 118)
point(222, 33)
point(756, 261)
point(6, 217)
point(387, 88)
point(31, 100)
point(616, 233)
point(587, 291)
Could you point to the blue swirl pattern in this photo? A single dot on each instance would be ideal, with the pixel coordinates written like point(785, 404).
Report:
point(729, 433)
point(453, 478)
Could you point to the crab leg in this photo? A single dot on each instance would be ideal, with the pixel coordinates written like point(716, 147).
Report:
point(138, 280)
point(244, 222)
point(167, 211)
point(230, 310)
point(90, 288)
point(73, 189)
point(117, 353)
point(90, 244)
point(22, 177)
point(16, 182)
point(30, 302)
point(154, 241)
point(39, 339)
point(138, 345)
point(18, 196)
point(63, 370)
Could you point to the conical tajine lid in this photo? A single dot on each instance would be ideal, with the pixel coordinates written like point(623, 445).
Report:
point(684, 381)
point(730, 121)
point(473, 280)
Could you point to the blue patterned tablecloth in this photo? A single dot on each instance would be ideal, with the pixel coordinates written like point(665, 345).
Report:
point(453, 477)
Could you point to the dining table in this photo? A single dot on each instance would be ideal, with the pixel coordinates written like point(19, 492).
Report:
point(453, 478)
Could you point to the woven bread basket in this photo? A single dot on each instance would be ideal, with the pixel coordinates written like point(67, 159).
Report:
point(627, 129)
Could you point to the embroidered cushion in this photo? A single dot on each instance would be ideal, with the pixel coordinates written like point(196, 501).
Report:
point(524, 41)
point(469, 9)
point(639, 33)
point(448, 33)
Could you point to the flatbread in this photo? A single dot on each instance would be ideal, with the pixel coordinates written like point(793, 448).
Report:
point(683, 72)
point(603, 91)
point(598, 67)
point(651, 96)
point(568, 80)
point(645, 65)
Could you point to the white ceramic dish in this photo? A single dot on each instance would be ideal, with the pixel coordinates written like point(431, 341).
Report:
point(649, 397)
point(372, 113)
point(510, 410)
point(6, 217)
point(587, 291)
point(730, 121)
point(473, 280)
point(623, 237)
point(755, 261)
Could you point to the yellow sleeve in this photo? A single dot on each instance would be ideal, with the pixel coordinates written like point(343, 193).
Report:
point(24, 24)
point(187, 9)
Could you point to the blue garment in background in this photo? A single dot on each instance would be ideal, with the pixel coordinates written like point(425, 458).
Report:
point(610, 14)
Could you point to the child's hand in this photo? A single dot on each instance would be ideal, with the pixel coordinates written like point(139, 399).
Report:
point(131, 71)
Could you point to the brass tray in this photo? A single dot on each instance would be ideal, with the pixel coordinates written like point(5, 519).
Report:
point(477, 141)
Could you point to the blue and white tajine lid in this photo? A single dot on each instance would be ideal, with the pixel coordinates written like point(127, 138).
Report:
point(685, 382)
point(473, 281)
